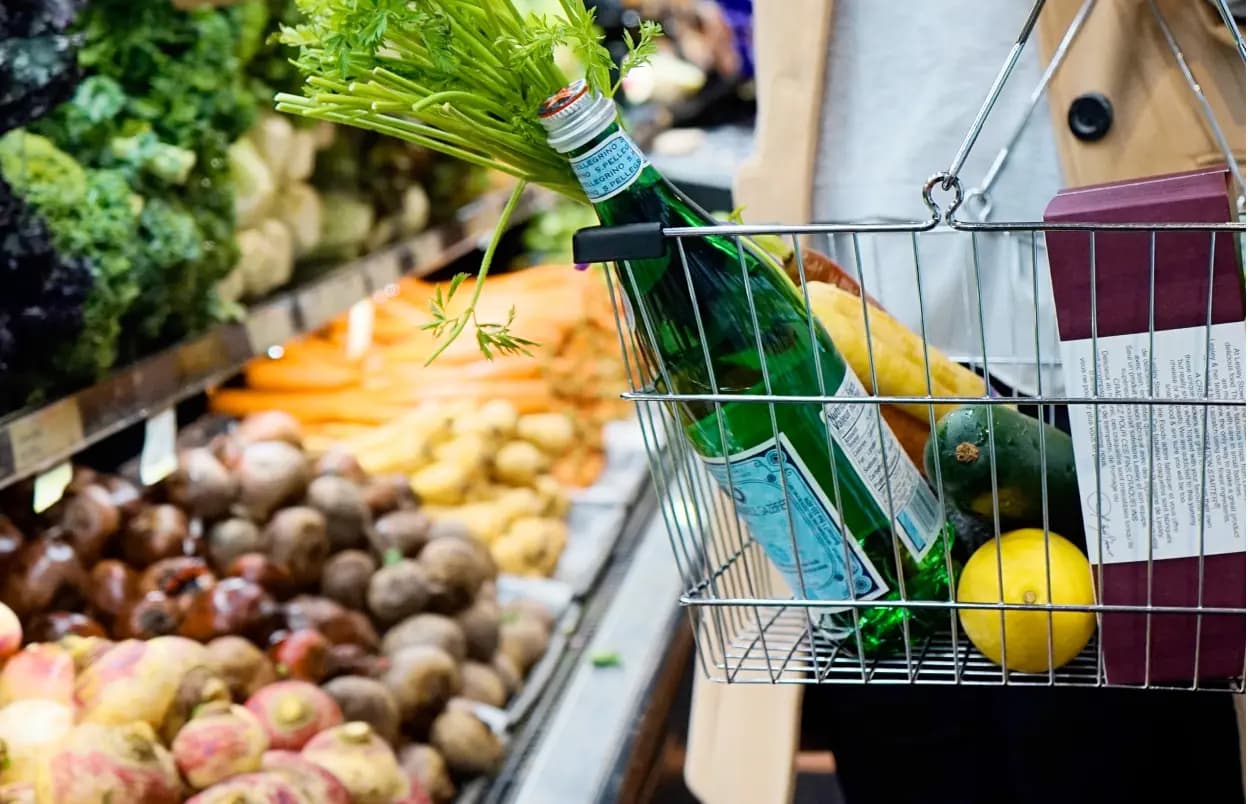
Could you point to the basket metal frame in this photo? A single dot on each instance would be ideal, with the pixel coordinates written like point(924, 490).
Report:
point(749, 631)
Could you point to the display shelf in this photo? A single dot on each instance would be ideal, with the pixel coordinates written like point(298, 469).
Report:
point(34, 440)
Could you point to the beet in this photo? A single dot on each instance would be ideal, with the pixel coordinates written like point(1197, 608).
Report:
point(271, 425)
point(202, 486)
point(159, 531)
point(368, 700)
point(232, 538)
point(345, 578)
point(262, 571)
point(55, 625)
point(347, 515)
point(270, 474)
point(44, 570)
point(299, 542)
point(113, 587)
point(302, 654)
point(233, 606)
point(89, 521)
point(176, 577)
point(244, 667)
point(405, 530)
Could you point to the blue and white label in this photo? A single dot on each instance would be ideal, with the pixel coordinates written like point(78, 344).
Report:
point(610, 167)
point(759, 481)
point(879, 461)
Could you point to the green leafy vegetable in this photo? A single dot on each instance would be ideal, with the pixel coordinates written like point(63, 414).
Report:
point(463, 77)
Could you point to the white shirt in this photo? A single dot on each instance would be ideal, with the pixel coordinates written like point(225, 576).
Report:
point(904, 82)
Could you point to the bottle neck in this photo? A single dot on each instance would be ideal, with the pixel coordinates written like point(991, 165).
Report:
point(608, 164)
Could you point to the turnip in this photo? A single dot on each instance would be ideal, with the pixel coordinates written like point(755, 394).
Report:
point(199, 687)
point(85, 650)
point(221, 741)
point(44, 671)
point(270, 475)
point(361, 760)
point(10, 632)
point(28, 730)
point(137, 681)
point(253, 788)
point(317, 785)
point(243, 666)
point(293, 712)
point(18, 793)
point(97, 763)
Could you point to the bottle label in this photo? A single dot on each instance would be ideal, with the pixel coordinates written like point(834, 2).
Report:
point(610, 167)
point(894, 482)
point(759, 481)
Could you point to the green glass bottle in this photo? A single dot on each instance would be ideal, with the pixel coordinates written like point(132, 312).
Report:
point(758, 340)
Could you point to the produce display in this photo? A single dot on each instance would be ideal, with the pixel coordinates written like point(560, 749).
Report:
point(154, 188)
point(260, 621)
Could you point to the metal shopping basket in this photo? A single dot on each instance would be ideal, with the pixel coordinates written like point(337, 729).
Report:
point(749, 628)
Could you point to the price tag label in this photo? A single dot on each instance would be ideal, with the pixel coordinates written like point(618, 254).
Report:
point(54, 431)
point(322, 302)
point(50, 486)
point(360, 328)
point(159, 458)
point(270, 325)
point(383, 269)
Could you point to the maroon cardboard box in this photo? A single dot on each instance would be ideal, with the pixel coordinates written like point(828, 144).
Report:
point(1122, 302)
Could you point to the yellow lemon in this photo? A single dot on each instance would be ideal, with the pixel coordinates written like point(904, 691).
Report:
point(1023, 573)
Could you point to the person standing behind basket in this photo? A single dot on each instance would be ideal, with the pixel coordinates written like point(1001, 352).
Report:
point(860, 101)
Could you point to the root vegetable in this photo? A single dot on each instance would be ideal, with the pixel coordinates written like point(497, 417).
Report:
point(317, 785)
point(443, 483)
point(480, 623)
point(524, 608)
point(243, 666)
point(405, 531)
point(151, 615)
point(347, 516)
point(159, 531)
point(293, 712)
point(10, 632)
point(337, 462)
point(270, 475)
point(345, 578)
point(201, 686)
point(28, 730)
point(424, 763)
point(202, 486)
point(43, 570)
point(44, 671)
point(518, 463)
point(90, 520)
point(302, 654)
point(397, 591)
point(368, 700)
point(339, 625)
point(176, 577)
point(299, 542)
point(54, 625)
point(455, 570)
point(18, 793)
point(273, 425)
point(232, 538)
point(389, 493)
point(508, 672)
point(427, 629)
point(361, 760)
point(219, 742)
point(262, 571)
point(84, 650)
point(113, 587)
point(96, 762)
point(352, 660)
point(422, 679)
point(482, 683)
point(233, 606)
point(136, 681)
point(524, 640)
point(251, 788)
point(126, 496)
point(467, 744)
point(553, 433)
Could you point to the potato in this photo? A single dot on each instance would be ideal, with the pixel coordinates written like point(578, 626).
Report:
point(422, 679)
point(455, 569)
point(554, 433)
point(484, 684)
point(427, 629)
point(518, 463)
point(443, 483)
point(466, 743)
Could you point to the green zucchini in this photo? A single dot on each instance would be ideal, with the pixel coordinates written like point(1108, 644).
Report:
point(961, 443)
